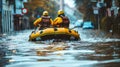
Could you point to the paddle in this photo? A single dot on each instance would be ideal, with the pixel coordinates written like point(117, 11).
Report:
point(74, 27)
point(36, 28)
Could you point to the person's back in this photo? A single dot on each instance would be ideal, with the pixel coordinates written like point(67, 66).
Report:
point(61, 20)
point(65, 22)
point(44, 22)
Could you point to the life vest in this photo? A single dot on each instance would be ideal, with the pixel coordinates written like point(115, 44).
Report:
point(65, 22)
point(45, 22)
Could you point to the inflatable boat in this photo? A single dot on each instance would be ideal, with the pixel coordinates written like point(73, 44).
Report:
point(54, 33)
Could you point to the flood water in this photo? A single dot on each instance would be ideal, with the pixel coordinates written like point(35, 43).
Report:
point(95, 49)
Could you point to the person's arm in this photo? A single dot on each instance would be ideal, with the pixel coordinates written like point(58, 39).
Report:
point(55, 20)
point(51, 21)
point(37, 22)
point(58, 20)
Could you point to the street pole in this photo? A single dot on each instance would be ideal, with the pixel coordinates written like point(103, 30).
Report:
point(96, 12)
point(98, 22)
point(61, 4)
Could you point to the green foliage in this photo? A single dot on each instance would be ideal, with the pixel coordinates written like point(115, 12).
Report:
point(85, 7)
point(36, 7)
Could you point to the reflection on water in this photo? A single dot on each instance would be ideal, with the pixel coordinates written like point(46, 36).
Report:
point(3, 62)
point(20, 52)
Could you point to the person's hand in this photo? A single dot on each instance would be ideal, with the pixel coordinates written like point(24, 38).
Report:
point(39, 25)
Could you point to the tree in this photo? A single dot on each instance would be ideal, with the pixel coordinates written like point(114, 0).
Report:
point(36, 7)
point(85, 7)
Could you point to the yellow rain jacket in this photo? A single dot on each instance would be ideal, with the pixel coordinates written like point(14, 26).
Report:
point(39, 20)
point(61, 22)
point(57, 21)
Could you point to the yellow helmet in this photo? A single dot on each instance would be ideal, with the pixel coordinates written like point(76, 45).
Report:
point(45, 13)
point(60, 12)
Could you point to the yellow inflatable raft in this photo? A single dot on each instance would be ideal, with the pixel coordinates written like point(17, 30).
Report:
point(54, 33)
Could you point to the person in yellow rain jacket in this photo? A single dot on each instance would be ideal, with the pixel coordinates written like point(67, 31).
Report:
point(44, 21)
point(61, 20)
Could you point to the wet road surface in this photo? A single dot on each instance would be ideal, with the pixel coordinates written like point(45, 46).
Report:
point(95, 49)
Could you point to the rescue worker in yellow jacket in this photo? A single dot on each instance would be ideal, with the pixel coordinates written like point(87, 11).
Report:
point(61, 20)
point(44, 21)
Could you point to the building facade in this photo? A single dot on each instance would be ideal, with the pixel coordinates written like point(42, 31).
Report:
point(18, 21)
point(10, 15)
point(6, 24)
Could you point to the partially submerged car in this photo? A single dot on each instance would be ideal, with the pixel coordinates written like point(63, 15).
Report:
point(88, 25)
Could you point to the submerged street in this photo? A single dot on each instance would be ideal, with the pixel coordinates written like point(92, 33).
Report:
point(59, 33)
point(95, 49)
